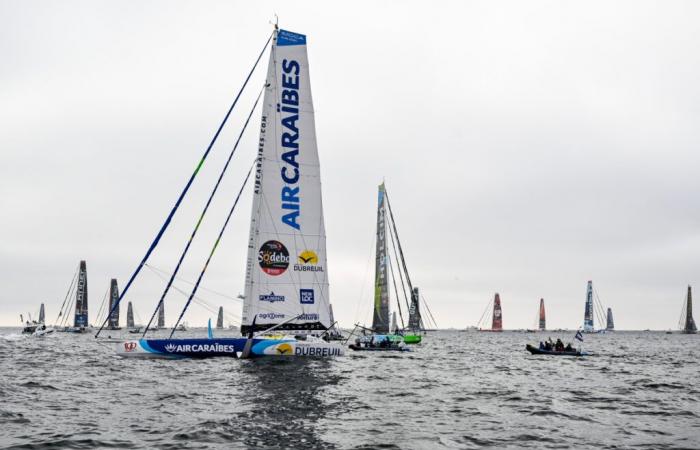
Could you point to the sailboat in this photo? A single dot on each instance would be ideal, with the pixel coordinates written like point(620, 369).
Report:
point(610, 323)
point(593, 308)
point(385, 332)
point(220, 319)
point(130, 325)
point(79, 288)
point(496, 317)
point(113, 320)
point(687, 322)
point(286, 304)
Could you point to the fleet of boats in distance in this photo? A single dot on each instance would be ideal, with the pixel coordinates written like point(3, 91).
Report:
point(287, 308)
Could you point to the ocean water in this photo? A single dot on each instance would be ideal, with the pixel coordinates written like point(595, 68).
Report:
point(456, 390)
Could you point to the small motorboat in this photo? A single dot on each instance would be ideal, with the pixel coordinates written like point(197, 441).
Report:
point(379, 343)
point(43, 330)
point(540, 351)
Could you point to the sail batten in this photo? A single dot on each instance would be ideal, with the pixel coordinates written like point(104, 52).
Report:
point(286, 269)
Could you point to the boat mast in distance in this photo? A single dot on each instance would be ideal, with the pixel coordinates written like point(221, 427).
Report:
point(130, 316)
point(415, 323)
point(688, 322)
point(497, 322)
point(113, 322)
point(220, 319)
point(588, 313)
point(161, 316)
point(543, 322)
point(81, 298)
point(610, 325)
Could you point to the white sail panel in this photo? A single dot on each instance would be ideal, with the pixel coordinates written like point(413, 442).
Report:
point(286, 272)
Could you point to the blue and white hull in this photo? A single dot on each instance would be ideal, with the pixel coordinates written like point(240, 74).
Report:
point(227, 347)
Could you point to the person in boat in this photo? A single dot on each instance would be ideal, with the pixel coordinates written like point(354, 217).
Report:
point(569, 348)
point(541, 345)
point(548, 345)
point(559, 346)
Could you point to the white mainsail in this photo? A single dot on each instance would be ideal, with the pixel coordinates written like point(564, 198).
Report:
point(286, 270)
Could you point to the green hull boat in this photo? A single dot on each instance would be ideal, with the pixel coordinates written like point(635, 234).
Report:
point(412, 338)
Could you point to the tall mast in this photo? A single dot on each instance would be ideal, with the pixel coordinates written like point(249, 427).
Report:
point(380, 318)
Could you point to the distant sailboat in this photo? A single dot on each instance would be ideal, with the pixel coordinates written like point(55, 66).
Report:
point(80, 319)
point(161, 316)
point(687, 321)
point(42, 315)
point(610, 324)
point(497, 322)
point(113, 321)
point(220, 319)
point(543, 322)
point(588, 313)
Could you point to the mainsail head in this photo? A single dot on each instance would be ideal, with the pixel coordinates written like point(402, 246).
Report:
point(286, 270)
point(588, 314)
point(81, 298)
point(497, 323)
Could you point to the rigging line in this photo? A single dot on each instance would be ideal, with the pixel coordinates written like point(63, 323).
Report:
point(216, 243)
point(71, 302)
point(484, 313)
point(430, 313)
point(393, 224)
point(70, 288)
point(204, 212)
point(682, 318)
point(396, 257)
point(158, 271)
point(165, 225)
point(398, 302)
point(99, 311)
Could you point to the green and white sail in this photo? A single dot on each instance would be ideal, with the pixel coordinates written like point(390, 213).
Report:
point(286, 270)
point(380, 317)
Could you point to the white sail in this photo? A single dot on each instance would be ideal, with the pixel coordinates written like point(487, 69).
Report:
point(286, 271)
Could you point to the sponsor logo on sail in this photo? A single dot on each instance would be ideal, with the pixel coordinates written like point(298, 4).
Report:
point(271, 315)
point(289, 140)
point(273, 258)
point(307, 261)
point(271, 297)
point(308, 317)
point(306, 296)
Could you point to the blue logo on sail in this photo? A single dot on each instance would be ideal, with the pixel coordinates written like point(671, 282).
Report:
point(306, 296)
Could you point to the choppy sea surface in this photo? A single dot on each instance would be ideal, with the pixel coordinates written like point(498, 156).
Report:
point(456, 390)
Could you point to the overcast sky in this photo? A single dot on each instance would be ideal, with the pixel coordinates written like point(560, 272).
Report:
point(527, 147)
